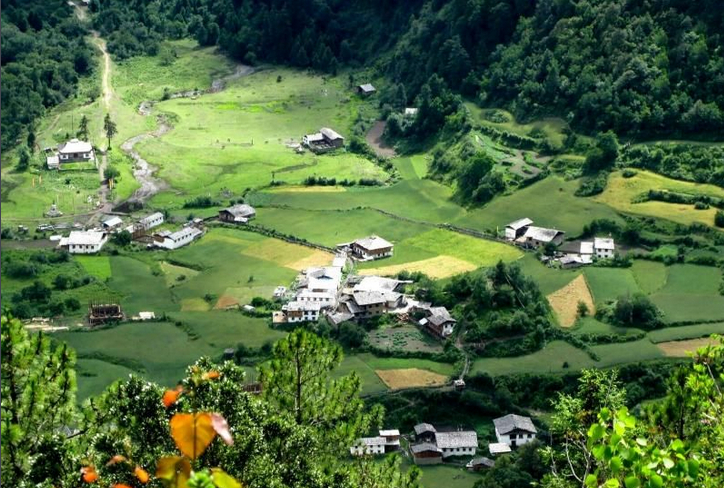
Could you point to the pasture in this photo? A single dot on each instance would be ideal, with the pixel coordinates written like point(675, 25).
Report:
point(610, 283)
point(650, 276)
point(406, 337)
point(691, 293)
point(564, 302)
point(686, 332)
point(550, 359)
point(621, 193)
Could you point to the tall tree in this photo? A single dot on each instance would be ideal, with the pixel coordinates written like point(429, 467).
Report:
point(38, 406)
point(83, 128)
point(110, 128)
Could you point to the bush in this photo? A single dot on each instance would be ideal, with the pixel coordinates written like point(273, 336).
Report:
point(582, 309)
point(72, 303)
point(352, 335)
point(61, 282)
point(719, 218)
point(637, 311)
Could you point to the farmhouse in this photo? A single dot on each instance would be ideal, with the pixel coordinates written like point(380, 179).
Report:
point(371, 297)
point(604, 247)
point(583, 252)
point(237, 214)
point(366, 89)
point(368, 445)
point(71, 152)
point(459, 443)
point(425, 432)
point(369, 248)
point(112, 222)
point(438, 321)
point(410, 112)
point(175, 240)
point(323, 141)
point(516, 229)
point(480, 463)
point(392, 439)
point(100, 313)
point(540, 236)
point(514, 430)
point(297, 311)
point(426, 453)
point(83, 242)
point(151, 221)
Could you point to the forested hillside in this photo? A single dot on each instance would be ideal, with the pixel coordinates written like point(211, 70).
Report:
point(43, 55)
point(638, 67)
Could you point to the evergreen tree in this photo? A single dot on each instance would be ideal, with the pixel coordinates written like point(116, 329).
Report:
point(110, 128)
point(83, 128)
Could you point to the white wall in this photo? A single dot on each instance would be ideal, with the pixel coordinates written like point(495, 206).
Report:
point(458, 451)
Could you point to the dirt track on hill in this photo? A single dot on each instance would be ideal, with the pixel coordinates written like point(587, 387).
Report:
point(374, 139)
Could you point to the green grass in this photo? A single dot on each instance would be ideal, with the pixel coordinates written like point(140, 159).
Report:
point(590, 325)
point(610, 283)
point(548, 279)
point(686, 332)
point(550, 359)
point(141, 289)
point(626, 352)
point(221, 330)
point(447, 476)
point(98, 266)
point(94, 376)
point(691, 293)
point(371, 383)
point(651, 276)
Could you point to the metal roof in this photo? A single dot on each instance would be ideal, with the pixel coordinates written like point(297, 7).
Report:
point(371, 441)
point(498, 448)
point(604, 243)
point(389, 433)
point(464, 438)
point(241, 210)
point(423, 427)
point(373, 243)
point(439, 316)
point(519, 224)
point(512, 422)
point(330, 134)
point(75, 146)
point(424, 447)
point(367, 87)
point(542, 234)
point(89, 237)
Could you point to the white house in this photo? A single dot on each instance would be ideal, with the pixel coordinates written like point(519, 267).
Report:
point(515, 229)
point(112, 222)
point(325, 140)
point(514, 430)
point(83, 242)
point(604, 247)
point(368, 445)
point(410, 111)
point(439, 321)
point(151, 221)
point(177, 239)
point(297, 311)
point(459, 443)
point(540, 236)
point(369, 248)
point(71, 151)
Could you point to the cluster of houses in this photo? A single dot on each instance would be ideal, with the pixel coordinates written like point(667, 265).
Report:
point(73, 151)
point(431, 445)
point(522, 232)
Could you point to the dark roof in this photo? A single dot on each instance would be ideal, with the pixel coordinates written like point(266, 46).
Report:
point(425, 446)
point(439, 316)
point(512, 422)
point(423, 427)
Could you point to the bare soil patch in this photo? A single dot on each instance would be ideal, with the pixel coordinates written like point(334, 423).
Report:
point(565, 301)
point(374, 139)
point(682, 349)
point(226, 301)
point(396, 379)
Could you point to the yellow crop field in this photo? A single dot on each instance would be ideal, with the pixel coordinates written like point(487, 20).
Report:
point(437, 267)
point(396, 379)
point(565, 301)
point(678, 349)
point(288, 255)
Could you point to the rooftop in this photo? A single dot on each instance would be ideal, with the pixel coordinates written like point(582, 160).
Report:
point(75, 146)
point(241, 210)
point(330, 134)
point(367, 87)
point(498, 448)
point(439, 316)
point(377, 283)
point(424, 447)
point(371, 297)
point(184, 233)
point(512, 422)
point(542, 234)
point(389, 433)
point(112, 221)
point(89, 237)
point(424, 427)
point(519, 224)
point(481, 461)
point(371, 441)
point(373, 243)
point(152, 217)
point(604, 243)
point(305, 306)
point(465, 438)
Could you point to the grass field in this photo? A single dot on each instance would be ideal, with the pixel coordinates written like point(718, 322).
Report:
point(98, 266)
point(679, 349)
point(565, 301)
point(691, 293)
point(589, 325)
point(686, 332)
point(650, 276)
point(396, 379)
point(610, 283)
point(626, 352)
point(620, 193)
point(550, 359)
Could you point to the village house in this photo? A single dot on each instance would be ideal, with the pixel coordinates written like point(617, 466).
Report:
point(480, 463)
point(424, 432)
point(371, 297)
point(323, 141)
point(516, 229)
point(604, 247)
point(410, 112)
point(297, 311)
point(458, 443)
point(514, 430)
point(151, 221)
point(438, 321)
point(392, 439)
point(279, 292)
point(368, 446)
point(320, 285)
point(175, 240)
point(426, 453)
point(583, 252)
point(540, 236)
point(366, 89)
point(369, 248)
point(72, 151)
point(83, 242)
point(112, 222)
point(237, 214)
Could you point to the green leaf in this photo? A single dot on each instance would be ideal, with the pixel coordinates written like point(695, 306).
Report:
point(668, 463)
point(591, 481)
point(223, 480)
point(616, 464)
point(595, 432)
point(693, 465)
point(631, 482)
point(641, 441)
point(612, 483)
point(656, 481)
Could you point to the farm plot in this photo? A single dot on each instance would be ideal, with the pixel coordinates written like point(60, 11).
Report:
point(651, 276)
point(396, 379)
point(679, 349)
point(621, 193)
point(404, 338)
point(691, 293)
point(238, 138)
point(565, 301)
point(556, 357)
point(686, 332)
point(626, 352)
point(610, 283)
point(141, 288)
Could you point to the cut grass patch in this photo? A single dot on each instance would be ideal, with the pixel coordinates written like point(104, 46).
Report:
point(680, 349)
point(691, 293)
point(286, 254)
point(565, 301)
point(651, 276)
point(175, 274)
point(686, 332)
point(550, 359)
point(98, 266)
point(480, 252)
point(610, 283)
point(396, 379)
point(436, 268)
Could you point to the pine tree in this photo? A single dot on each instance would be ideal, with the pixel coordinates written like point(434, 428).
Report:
point(110, 127)
point(83, 128)
point(38, 392)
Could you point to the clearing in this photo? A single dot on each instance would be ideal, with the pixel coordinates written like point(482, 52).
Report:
point(396, 379)
point(565, 301)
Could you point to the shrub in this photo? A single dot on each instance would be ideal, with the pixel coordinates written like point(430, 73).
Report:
point(582, 309)
point(719, 219)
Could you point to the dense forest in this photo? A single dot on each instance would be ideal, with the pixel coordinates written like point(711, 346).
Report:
point(638, 67)
point(43, 55)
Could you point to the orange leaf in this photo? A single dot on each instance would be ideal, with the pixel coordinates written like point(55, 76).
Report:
point(171, 396)
point(141, 474)
point(222, 428)
point(211, 375)
point(192, 433)
point(116, 459)
point(175, 469)
point(89, 474)
point(121, 485)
